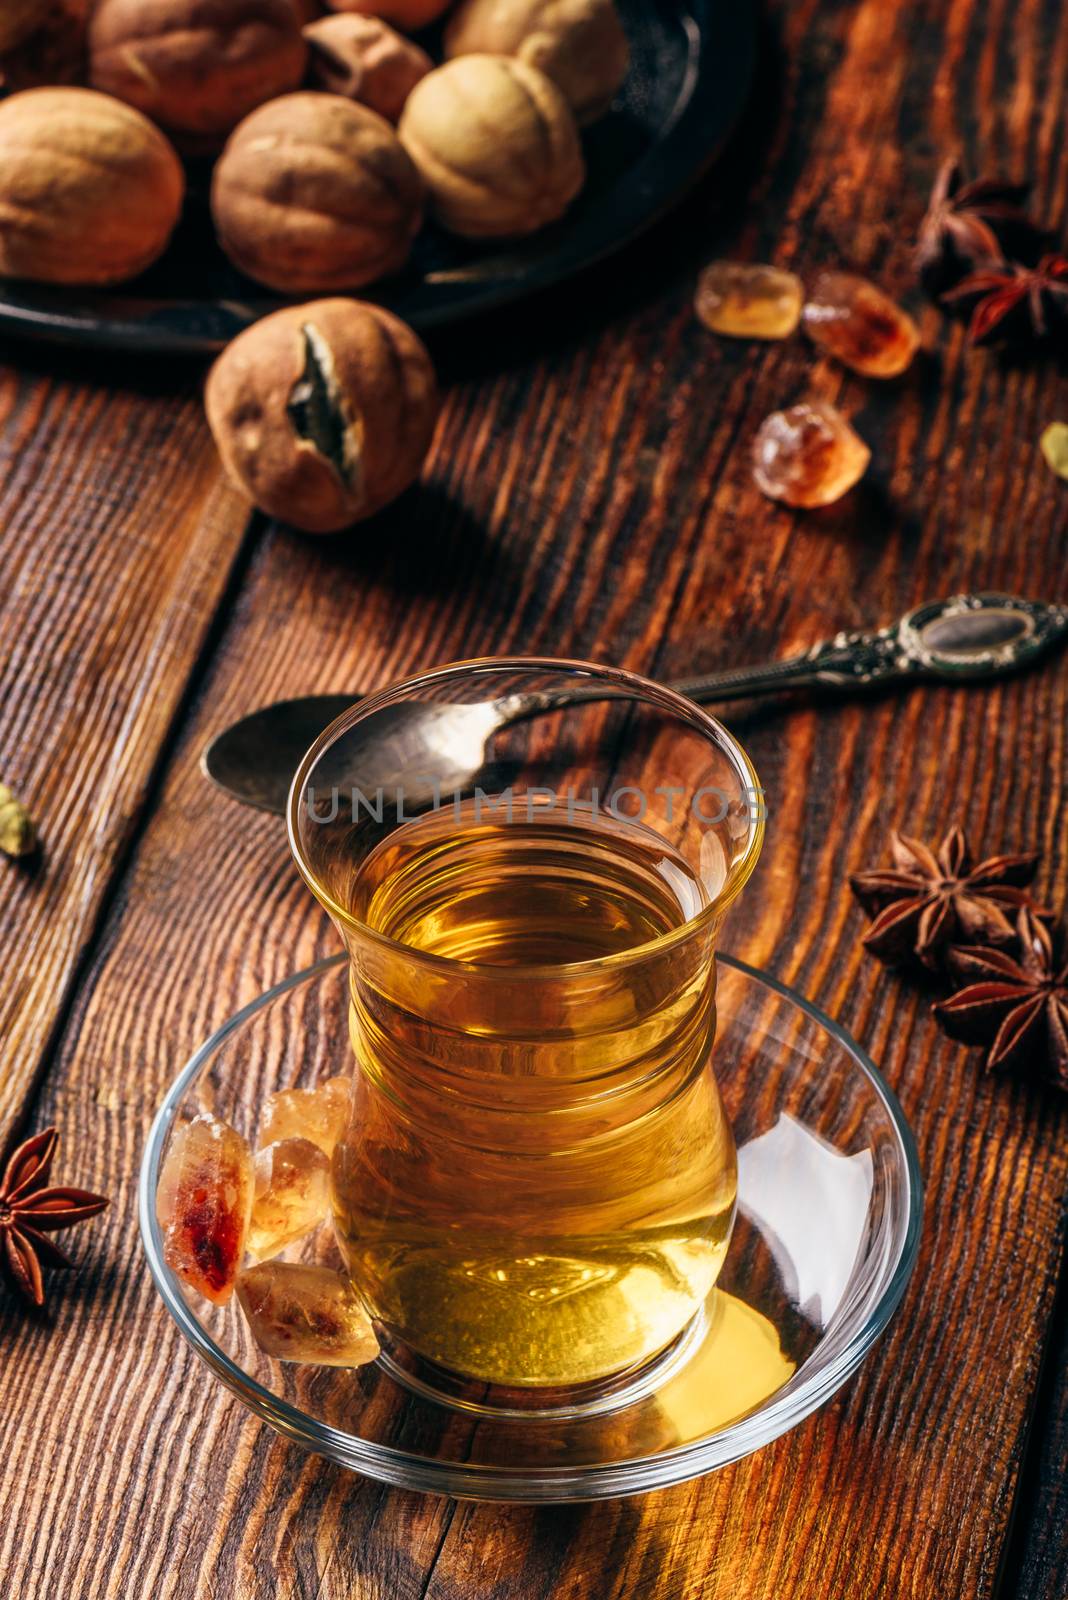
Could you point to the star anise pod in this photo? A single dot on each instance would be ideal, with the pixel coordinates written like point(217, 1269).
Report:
point(971, 225)
point(1018, 1007)
point(29, 1212)
point(1015, 302)
point(928, 901)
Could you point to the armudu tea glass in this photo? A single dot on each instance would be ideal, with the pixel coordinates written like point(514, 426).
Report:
point(529, 862)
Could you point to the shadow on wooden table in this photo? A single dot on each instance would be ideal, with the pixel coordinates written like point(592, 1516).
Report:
point(422, 544)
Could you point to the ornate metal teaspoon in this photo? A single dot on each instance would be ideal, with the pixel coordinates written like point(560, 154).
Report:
point(967, 638)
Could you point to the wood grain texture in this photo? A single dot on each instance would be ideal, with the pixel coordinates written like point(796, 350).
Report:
point(116, 540)
point(589, 494)
point(1036, 1556)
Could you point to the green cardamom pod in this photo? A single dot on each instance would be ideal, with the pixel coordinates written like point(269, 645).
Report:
point(18, 836)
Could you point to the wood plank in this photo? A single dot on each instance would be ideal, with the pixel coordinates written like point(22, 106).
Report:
point(116, 542)
point(594, 498)
point(1037, 1553)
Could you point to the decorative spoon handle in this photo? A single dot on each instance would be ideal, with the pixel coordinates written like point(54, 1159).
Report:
point(971, 636)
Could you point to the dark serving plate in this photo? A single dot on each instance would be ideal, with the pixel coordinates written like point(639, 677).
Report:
point(692, 63)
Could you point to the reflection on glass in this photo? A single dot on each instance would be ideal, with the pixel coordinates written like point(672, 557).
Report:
point(814, 1225)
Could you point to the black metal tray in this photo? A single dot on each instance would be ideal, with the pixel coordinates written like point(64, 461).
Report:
point(692, 64)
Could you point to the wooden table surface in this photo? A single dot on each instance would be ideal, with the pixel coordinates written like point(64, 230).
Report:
point(588, 494)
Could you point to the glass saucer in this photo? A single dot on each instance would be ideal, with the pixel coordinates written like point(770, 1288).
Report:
point(829, 1205)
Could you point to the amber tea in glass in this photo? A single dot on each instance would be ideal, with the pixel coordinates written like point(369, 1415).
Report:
point(537, 1184)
